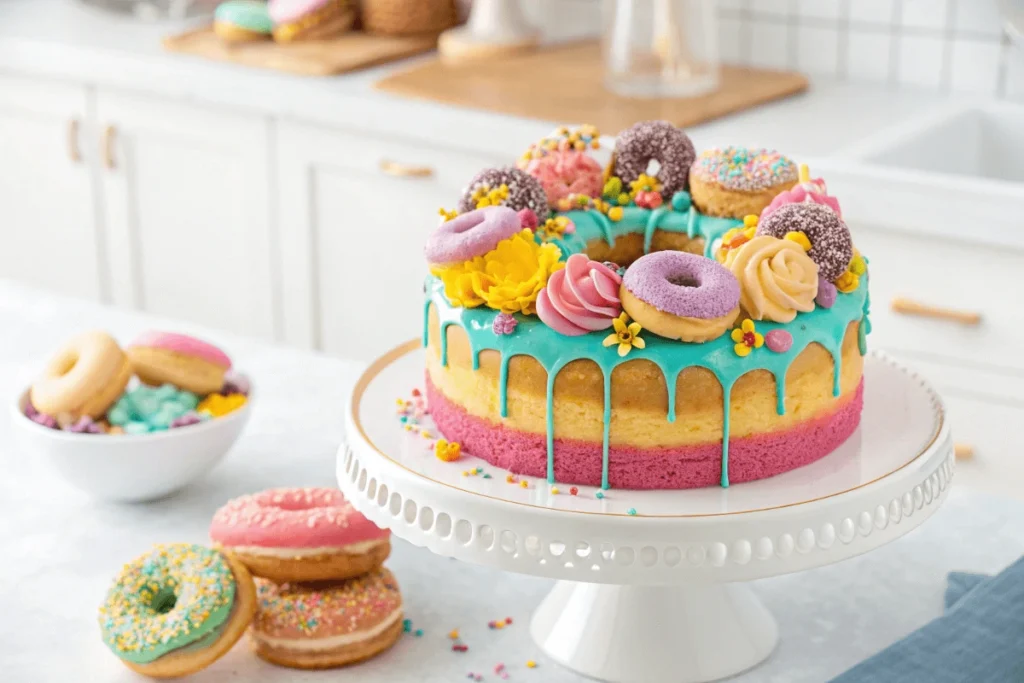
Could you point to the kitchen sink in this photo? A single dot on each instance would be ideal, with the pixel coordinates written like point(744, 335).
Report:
point(957, 170)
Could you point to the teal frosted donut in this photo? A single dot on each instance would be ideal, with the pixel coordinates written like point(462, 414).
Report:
point(175, 609)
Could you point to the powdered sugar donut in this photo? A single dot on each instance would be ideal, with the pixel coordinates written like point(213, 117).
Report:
point(310, 534)
point(681, 296)
point(658, 140)
point(471, 234)
point(567, 172)
point(324, 626)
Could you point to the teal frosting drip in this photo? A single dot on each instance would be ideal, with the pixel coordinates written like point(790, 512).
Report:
point(554, 351)
point(591, 225)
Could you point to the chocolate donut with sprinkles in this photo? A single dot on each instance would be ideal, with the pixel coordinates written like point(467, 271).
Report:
point(177, 609)
point(317, 626)
point(660, 141)
point(734, 182)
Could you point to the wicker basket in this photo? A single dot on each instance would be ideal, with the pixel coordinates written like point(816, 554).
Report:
point(408, 17)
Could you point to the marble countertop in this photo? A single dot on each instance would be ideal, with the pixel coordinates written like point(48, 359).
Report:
point(60, 548)
point(65, 40)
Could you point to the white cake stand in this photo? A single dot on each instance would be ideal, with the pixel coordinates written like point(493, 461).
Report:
point(656, 595)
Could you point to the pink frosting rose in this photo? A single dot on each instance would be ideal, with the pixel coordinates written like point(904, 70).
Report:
point(813, 191)
point(566, 172)
point(582, 297)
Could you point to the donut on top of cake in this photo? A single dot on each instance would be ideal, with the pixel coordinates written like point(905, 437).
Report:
point(735, 182)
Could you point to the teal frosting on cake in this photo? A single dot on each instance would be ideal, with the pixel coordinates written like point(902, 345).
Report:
point(824, 326)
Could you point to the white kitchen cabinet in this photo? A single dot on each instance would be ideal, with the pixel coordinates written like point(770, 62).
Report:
point(354, 212)
point(49, 235)
point(187, 209)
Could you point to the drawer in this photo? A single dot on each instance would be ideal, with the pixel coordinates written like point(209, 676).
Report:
point(951, 275)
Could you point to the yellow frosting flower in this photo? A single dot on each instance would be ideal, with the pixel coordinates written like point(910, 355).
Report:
point(555, 228)
point(645, 183)
point(449, 451)
point(508, 278)
point(847, 282)
point(747, 338)
point(486, 196)
point(626, 336)
point(777, 278)
point(219, 405)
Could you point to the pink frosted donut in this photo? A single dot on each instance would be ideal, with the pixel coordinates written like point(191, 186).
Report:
point(471, 234)
point(310, 534)
point(186, 362)
point(566, 172)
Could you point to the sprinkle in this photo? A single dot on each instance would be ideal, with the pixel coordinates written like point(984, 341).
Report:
point(453, 634)
point(524, 484)
point(554, 490)
point(573, 491)
point(510, 479)
point(599, 495)
point(631, 511)
point(487, 476)
point(419, 632)
point(499, 667)
point(530, 664)
point(407, 625)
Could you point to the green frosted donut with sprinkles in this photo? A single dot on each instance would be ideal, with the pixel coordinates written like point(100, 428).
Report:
point(175, 596)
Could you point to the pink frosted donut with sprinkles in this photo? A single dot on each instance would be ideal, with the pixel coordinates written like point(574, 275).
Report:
point(734, 182)
point(324, 626)
point(304, 534)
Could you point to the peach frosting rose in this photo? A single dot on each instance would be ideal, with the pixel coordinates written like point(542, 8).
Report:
point(777, 278)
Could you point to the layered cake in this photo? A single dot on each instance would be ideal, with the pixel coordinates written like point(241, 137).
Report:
point(665, 319)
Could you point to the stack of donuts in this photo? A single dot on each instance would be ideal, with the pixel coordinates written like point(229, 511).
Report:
point(300, 568)
point(87, 386)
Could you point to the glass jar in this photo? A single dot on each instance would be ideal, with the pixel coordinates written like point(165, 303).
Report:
point(660, 48)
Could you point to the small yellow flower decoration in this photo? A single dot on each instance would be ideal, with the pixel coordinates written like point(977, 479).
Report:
point(858, 264)
point(737, 237)
point(486, 196)
point(449, 451)
point(554, 228)
point(508, 278)
point(218, 405)
point(644, 183)
point(847, 282)
point(747, 338)
point(447, 215)
point(800, 238)
point(627, 336)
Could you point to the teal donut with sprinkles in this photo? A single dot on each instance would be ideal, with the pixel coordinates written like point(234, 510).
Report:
point(177, 609)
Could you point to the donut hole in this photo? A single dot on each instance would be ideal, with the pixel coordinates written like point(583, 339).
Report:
point(164, 600)
point(66, 365)
point(684, 280)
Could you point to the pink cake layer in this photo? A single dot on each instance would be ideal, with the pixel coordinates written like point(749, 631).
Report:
point(684, 467)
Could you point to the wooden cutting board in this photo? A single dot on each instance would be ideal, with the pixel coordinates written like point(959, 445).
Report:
point(565, 84)
point(348, 52)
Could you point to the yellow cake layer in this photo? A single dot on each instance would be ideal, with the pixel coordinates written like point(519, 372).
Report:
point(639, 394)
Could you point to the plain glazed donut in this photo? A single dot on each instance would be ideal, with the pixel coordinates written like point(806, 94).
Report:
point(83, 379)
point(320, 626)
point(659, 141)
point(472, 234)
point(177, 609)
point(681, 296)
point(311, 534)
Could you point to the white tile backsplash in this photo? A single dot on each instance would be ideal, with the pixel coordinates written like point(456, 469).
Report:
point(817, 49)
point(875, 12)
point(974, 66)
point(869, 56)
point(920, 61)
point(924, 14)
point(947, 45)
point(977, 17)
point(769, 45)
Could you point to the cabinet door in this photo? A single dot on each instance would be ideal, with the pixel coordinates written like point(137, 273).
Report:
point(187, 209)
point(355, 212)
point(48, 229)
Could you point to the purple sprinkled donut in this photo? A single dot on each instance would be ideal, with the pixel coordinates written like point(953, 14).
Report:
point(472, 234)
point(659, 140)
point(831, 244)
point(682, 284)
point(524, 191)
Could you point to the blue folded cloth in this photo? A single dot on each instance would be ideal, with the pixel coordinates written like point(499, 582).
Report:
point(980, 638)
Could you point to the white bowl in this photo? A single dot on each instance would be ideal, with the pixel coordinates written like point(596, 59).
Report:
point(130, 467)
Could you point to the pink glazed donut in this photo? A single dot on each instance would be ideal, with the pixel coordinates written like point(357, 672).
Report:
point(307, 534)
point(567, 172)
point(681, 296)
point(471, 234)
point(186, 362)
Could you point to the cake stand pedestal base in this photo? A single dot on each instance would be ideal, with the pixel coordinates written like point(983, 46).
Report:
point(687, 634)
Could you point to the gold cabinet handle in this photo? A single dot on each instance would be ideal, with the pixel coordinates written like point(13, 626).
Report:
point(74, 153)
point(398, 170)
point(107, 147)
point(906, 306)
